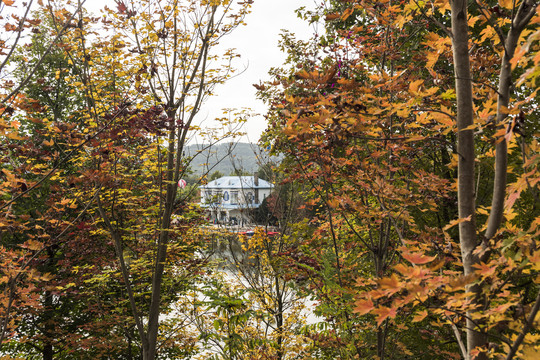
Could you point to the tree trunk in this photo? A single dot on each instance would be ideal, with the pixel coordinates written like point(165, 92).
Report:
point(279, 319)
point(163, 240)
point(466, 153)
point(48, 351)
point(521, 19)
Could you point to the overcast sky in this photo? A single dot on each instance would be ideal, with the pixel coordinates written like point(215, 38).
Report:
point(257, 43)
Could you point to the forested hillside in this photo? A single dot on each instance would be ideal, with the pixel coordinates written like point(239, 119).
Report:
point(227, 157)
point(406, 197)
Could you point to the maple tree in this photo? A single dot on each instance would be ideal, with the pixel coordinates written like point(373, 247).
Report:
point(372, 133)
point(36, 212)
point(43, 218)
point(100, 139)
point(174, 69)
point(332, 152)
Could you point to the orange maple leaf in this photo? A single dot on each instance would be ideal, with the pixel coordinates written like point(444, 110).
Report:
point(511, 199)
point(456, 221)
point(384, 313)
point(420, 316)
point(330, 17)
point(363, 307)
point(484, 269)
point(348, 12)
point(391, 284)
point(417, 258)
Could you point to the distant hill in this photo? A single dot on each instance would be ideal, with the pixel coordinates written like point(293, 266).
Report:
point(226, 157)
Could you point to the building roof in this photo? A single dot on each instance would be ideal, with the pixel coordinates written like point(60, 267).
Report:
point(237, 182)
point(243, 206)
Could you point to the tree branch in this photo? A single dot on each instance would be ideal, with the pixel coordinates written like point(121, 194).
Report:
point(526, 328)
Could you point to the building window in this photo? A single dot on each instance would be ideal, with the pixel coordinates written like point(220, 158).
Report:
point(226, 196)
point(234, 197)
point(249, 197)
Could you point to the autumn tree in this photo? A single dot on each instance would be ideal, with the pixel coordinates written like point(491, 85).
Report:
point(373, 134)
point(344, 145)
point(173, 70)
point(35, 211)
point(53, 117)
point(97, 168)
point(507, 33)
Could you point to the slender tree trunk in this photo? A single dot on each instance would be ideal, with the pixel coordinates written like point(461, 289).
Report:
point(49, 313)
point(48, 351)
point(521, 19)
point(161, 255)
point(466, 154)
point(279, 319)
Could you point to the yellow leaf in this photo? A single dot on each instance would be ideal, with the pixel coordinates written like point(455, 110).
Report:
point(32, 245)
point(10, 177)
point(489, 33)
point(14, 136)
point(507, 4)
point(449, 94)
point(470, 127)
point(413, 87)
point(455, 222)
point(432, 58)
point(531, 353)
point(535, 260)
point(415, 138)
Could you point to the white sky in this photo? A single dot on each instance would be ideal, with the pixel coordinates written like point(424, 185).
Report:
point(257, 43)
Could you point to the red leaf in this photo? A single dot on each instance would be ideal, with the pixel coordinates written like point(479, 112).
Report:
point(122, 8)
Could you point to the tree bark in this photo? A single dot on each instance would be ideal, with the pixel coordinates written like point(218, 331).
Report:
point(522, 17)
point(466, 153)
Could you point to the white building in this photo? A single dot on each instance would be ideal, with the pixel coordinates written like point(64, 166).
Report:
point(231, 199)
